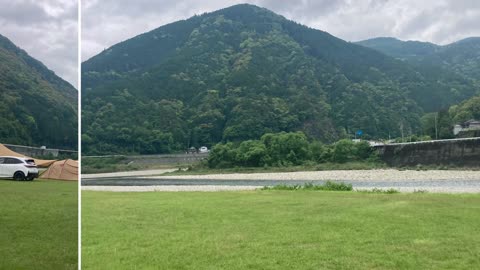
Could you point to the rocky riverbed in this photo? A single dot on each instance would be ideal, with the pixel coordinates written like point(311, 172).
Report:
point(405, 181)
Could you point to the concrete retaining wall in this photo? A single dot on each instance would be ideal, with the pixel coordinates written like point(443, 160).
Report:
point(460, 152)
point(38, 152)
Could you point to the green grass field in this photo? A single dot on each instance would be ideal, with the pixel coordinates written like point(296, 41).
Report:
point(38, 224)
point(280, 230)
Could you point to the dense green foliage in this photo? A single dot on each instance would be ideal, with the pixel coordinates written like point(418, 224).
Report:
point(241, 72)
point(456, 66)
point(286, 149)
point(446, 119)
point(467, 110)
point(36, 106)
point(405, 50)
point(273, 230)
point(328, 186)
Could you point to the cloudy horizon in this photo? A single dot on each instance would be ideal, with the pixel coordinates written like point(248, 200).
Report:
point(47, 30)
point(108, 22)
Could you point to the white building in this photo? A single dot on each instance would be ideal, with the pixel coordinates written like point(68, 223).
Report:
point(469, 125)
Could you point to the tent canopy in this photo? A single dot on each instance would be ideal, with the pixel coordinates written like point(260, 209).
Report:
point(4, 151)
point(62, 170)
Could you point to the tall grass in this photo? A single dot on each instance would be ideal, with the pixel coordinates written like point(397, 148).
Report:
point(328, 186)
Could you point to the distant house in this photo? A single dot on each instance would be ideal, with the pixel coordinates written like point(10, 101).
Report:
point(466, 126)
point(475, 124)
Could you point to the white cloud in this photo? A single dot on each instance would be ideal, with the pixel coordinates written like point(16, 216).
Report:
point(47, 30)
point(108, 22)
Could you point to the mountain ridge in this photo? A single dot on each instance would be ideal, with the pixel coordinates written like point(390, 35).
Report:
point(461, 57)
point(215, 72)
point(37, 107)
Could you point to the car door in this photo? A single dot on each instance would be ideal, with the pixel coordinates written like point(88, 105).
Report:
point(2, 168)
point(11, 166)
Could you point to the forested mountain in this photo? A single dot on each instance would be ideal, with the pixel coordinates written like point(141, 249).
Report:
point(36, 106)
point(240, 72)
point(461, 57)
point(400, 49)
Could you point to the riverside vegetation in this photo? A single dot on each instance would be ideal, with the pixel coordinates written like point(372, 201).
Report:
point(288, 149)
point(275, 152)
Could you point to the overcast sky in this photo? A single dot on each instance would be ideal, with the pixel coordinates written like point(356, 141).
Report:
point(47, 30)
point(107, 22)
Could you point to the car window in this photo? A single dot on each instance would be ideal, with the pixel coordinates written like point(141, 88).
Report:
point(12, 161)
point(1, 160)
point(30, 161)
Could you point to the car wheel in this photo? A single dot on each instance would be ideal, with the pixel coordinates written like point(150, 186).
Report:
point(19, 176)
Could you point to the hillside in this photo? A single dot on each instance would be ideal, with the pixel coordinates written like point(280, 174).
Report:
point(400, 49)
point(237, 73)
point(461, 57)
point(36, 106)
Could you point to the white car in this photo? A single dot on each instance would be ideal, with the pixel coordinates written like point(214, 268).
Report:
point(18, 168)
point(203, 149)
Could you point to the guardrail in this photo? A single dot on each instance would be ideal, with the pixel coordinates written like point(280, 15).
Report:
point(431, 141)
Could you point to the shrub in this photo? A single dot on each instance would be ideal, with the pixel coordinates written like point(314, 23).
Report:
point(329, 186)
point(363, 150)
point(343, 151)
point(222, 156)
point(379, 190)
point(251, 153)
point(286, 148)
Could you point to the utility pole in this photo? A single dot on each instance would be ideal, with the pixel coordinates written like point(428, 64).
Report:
point(436, 128)
point(401, 130)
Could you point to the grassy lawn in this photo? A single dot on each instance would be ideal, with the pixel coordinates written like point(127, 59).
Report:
point(280, 230)
point(38, 224)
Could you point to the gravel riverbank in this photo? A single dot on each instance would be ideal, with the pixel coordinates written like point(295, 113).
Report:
point(404, 181)
point(351, 175)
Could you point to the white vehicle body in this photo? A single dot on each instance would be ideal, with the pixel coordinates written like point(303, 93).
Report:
point(203, 149)
point(18, 168)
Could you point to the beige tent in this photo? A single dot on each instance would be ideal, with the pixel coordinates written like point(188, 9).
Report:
point(4, 151)
point(62, 170)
